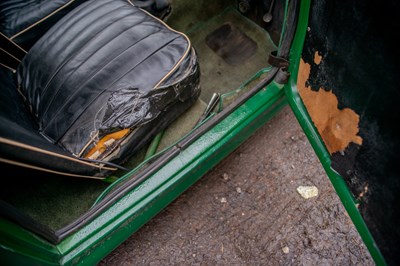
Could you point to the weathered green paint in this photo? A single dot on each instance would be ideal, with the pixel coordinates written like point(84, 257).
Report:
point(305, 121)
point(20, 247)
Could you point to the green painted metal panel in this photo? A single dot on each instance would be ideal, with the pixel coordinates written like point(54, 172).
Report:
point(20, 247)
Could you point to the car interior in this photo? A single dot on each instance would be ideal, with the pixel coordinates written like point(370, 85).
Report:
point(93, 90)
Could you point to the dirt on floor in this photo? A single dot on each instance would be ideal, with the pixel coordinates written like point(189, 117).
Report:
point(247, 211)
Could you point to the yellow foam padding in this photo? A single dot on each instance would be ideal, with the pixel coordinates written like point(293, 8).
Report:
point(101, 146)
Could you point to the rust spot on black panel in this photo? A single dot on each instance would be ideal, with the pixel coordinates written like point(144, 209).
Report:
point(337, 127)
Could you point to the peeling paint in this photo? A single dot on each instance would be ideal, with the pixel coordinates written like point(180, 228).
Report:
point(338, 128)
point(317, 58)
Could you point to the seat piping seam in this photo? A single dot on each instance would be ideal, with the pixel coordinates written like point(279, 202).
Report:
point(22, 49)
point(45, 169)
point(41, 20)
point(29, 147)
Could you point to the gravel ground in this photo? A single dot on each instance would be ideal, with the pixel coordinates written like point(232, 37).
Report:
point(247, 211)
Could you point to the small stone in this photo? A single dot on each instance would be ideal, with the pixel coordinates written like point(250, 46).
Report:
point(223, 200)
point(238, 190)
point(193, 255)
point(308, 191)
point(225, 176)
point(285, 250)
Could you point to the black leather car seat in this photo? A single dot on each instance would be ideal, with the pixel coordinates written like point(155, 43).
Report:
point(95, 88)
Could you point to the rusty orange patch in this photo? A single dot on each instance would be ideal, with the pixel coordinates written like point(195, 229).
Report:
point(338, 128)
point(317, 58)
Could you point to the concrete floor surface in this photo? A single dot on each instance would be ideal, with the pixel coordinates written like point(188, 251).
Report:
point(247, 211)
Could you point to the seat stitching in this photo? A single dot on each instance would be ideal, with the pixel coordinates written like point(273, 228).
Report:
point(87, 106)
point(94, 74)
point(47, 170)
point(12, 69)
point(42, 19)
point(177, 32)
point(80, 49)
